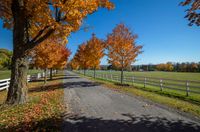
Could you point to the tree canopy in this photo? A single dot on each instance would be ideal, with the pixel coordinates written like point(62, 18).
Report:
point(193, 14)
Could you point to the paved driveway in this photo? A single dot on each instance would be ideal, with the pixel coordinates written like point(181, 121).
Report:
point(94, 108)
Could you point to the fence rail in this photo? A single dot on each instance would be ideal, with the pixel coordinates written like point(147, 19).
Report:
point(4, 83)
point(186, 86)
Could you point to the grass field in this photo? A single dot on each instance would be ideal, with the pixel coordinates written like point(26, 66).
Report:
point(4, 74)
point(177, 89)
point(157, 74)
point(42, 112)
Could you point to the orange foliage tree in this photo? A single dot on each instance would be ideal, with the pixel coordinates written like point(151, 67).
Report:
point(193, 14)
point(49, 54)
point(82, 57)
point(122, 48)
point(74, 64)
point(95, 51)
point(33, 21)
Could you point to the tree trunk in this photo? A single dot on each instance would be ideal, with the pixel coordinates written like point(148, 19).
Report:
point(51, 74)
point(94, 72)
point(45, 75)
point(84, 72)
point(122, 75)
point(17, 91)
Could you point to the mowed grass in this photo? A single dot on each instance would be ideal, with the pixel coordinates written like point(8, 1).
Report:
point(175, 86)
point(4, 74)
point(157, 74)
point(42, 112)
point(161, 98)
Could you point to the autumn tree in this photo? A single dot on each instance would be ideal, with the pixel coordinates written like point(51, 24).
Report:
point(95, 51)
point(33, 21)
point(165, 67)
point(74, 64)
point(122, 48)
point(82, 57)
point(193, 14)
point(49, 54)
point(61, 60)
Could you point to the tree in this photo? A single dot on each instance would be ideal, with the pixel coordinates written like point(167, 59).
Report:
point(33, 21)
point(5, 58)
point(82, 57)
point(193, 12)
point(122, 48)
point(49, 54)
point(95, 50)
point(74, 64)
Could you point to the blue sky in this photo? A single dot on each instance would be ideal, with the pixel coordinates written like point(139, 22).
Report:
point(160, 25)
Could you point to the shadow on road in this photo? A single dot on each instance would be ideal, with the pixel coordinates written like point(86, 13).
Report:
point(50, 87)
point(143, 123)
point(80, 84)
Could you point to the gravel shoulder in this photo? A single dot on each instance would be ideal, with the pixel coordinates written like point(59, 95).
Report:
point(94, 108)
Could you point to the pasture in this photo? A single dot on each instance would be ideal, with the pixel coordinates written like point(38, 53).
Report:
point(4, 74)
point(179, 85)
point(158, 74)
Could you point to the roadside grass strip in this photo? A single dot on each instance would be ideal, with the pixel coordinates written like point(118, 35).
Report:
point(42, 112)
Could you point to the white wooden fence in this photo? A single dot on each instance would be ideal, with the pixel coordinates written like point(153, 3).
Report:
point(4, 83)
point(185, 86)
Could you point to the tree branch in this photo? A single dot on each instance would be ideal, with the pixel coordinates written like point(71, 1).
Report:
point(31, 45)
point(39, 34)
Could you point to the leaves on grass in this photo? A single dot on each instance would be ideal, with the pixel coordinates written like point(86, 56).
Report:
point(42, 113)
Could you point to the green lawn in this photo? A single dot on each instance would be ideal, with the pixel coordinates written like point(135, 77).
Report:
point(157, 74)
point(4, 74)
point(153, 85)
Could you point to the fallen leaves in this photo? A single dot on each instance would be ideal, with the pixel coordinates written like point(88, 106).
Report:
point(42, 113)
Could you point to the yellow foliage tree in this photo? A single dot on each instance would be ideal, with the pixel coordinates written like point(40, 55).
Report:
point(49, 54)
point(33, 21)
point(95, 51)
point(82, 57)
point(122, 48)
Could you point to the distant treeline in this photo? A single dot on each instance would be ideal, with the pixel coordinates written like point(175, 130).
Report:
point(5, 58)
point(169, 66)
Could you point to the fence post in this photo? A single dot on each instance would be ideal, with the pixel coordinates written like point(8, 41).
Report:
point(8, 82)
point(187, 88)
point(111, 77)
point(161, 85)
point(145, 81)
point(133, 80)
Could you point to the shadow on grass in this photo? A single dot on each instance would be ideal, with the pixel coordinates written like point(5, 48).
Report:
point(130, 123)
point(49, 125)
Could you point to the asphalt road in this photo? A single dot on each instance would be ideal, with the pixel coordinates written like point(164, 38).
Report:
point(94, 108)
